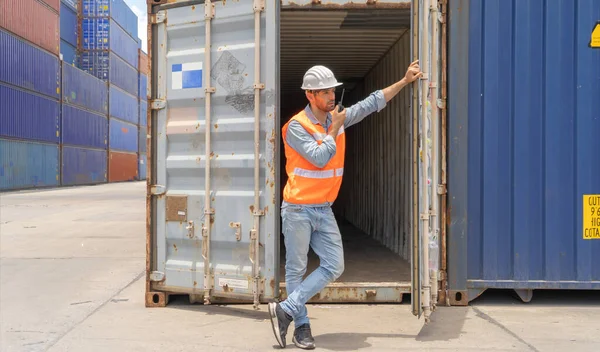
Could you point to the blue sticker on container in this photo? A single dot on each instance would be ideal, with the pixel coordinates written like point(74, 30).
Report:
point(187, 75)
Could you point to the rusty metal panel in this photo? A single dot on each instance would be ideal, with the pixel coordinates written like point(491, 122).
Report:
point(376, 197)
point(203, 256)
point(176, 208)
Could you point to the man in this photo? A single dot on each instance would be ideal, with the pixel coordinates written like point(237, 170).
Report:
point(315, 143)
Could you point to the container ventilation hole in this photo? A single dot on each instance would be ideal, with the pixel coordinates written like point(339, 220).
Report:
point(155, 299)
point(458, 297)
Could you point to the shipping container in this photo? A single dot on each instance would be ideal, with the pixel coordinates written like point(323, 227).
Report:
point(142, 167)
point(103, 34)
point(123, 106)
point(143, 113)
point(26, 66)
point(83, 128)
point(123, 136)
point(115, 9)
point(84, 90)
point(26, 115)
point(69, 53)
point(511, 216)
point(122, 166)
point(82, 166)
point(73, 4)
point(33, 21)
point(143, 132)
point(143, 87)
point(522, 161)
point(143, 61)
point(54, 4)
point(68, 24)
point(26, 164)
point(109, 67)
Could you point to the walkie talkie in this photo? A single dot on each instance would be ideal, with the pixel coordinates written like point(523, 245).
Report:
point(340, 106)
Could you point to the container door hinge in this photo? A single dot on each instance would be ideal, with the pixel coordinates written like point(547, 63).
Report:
point(441, 103)
point(159, 17)
point(158, 190)
point(158, 104)
point(157, 276)
point(441, 189)
point(425, 216)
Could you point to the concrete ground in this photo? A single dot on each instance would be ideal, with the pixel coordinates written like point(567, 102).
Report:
point(71, 276)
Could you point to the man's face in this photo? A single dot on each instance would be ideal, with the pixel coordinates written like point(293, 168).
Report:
point(323, 99)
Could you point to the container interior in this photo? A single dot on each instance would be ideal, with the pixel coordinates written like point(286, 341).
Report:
point(367, 49)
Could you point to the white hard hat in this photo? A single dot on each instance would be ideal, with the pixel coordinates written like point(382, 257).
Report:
point(319, 77)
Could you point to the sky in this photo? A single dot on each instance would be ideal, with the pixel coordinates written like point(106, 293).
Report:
point(139, 8)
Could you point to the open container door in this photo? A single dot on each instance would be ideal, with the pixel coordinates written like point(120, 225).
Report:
point(213, 205)
point(427, 185)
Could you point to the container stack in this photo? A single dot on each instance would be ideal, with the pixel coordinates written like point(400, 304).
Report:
point(143, 112)
point(109, 51)
point(69, 31)
point(29, 94)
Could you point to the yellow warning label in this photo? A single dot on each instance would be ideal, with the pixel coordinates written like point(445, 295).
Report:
point(595, 40)
point(591, 216)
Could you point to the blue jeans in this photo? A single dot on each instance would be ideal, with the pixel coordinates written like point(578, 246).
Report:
point(314, 226)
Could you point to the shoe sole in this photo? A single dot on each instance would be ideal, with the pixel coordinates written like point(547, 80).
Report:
point(299, 345)
point(275, 324)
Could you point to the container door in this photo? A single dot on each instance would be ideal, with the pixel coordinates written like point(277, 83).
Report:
point(214, 127)
point(426, 153)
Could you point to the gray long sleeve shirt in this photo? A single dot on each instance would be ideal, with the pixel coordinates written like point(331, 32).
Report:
point(317, 154)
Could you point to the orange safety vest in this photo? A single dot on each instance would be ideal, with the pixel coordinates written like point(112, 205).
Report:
point(308, 184)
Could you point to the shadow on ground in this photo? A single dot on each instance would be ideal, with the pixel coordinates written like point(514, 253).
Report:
point(541, 298)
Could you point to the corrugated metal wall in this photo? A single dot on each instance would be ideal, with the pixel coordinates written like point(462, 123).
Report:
point(83, 166)
point(123, 45)
point(68, 24)
point(123, 75)
point(84, 128)
point(143, 117)
point(69, 53)
point(122, 166)
point(26, 115)
point(123, 136)
point(85, 90)
point(375, 194)
point(74, 4)
point(26, 66)
point(26, 164)
point(116, 9)
point(123, 106)
point(524, 122)
point(142, 166)
point(32, 20)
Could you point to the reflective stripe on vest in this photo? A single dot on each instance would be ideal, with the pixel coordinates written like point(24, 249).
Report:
point(308, 184)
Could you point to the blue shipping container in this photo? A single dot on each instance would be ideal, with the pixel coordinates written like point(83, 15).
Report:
point(28, 67)
point(105, 34)
point(83, 128)
point(68, 52)
point(143, 87)
point(143, 132)
point(73, 4)
point(110, 67)
point(123, 136)
point(81, 166)
point(68, 24)
point(143, 113)
point(28, 164)
point(84, 90)
point(123, 106)
point(523, 140)
point(26, 115)
point(142, 167)
point(116, 9)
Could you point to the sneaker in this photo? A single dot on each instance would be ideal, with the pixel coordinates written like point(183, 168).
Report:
point(303, 337)
point(280, 321)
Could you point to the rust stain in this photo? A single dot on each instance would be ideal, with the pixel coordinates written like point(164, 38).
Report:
point(266, 210)
point(272, 284)
point(175, 247)
point(226, 288)
point(212, 220)
point(193, 8)
point(212, 154)
point(216, 126)
point(213, 199)
point(252, 209)
point(195, 284)
point(198, 160)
